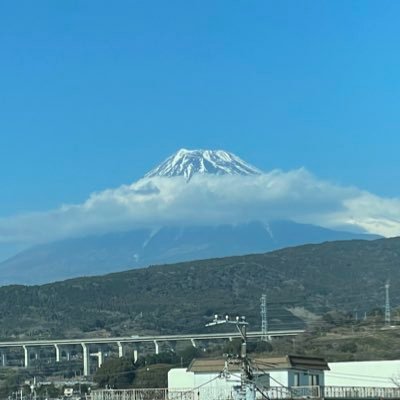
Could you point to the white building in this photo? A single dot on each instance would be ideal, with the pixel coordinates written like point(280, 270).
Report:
point(289, 377)
point(274, 374)
point(364, 373)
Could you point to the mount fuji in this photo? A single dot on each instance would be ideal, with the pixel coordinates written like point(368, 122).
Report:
point(190, 162)
point(166, 243)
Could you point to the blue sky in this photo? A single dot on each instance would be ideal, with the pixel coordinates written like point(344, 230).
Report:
point(93, 94)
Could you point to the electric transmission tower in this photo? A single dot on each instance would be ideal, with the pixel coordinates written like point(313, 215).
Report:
point(264, 318)
point(387, 305)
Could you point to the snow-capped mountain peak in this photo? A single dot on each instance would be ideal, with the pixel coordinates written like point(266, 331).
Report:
point(189, 162)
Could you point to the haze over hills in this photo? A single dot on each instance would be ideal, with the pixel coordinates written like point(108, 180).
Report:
point(112, 252)
point(206, 222)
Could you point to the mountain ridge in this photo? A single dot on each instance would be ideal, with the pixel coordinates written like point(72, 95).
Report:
point(207, 224)
point(98, 254)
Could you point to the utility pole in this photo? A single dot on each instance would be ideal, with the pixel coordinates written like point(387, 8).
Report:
point(387, 305)
point(241, 325)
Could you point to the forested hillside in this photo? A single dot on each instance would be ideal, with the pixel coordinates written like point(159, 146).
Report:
point(309, 280)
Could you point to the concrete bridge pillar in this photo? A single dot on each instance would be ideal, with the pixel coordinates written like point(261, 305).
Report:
point(58, 354)
point(86, 359)
point(121, 350)
point(26, 356)
point(157, 347)
point(3, 359)
point(100, 358)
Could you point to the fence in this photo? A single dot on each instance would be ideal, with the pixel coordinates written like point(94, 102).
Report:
point(360, 392)
point(231, 393)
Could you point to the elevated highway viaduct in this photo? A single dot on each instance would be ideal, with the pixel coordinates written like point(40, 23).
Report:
point(31, 345)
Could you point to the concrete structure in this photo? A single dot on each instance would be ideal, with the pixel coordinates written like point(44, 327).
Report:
point(274, 374)
point(364, 374)
point(85, 343)
point(344, 381)
point(86, 359)
point(58, 354)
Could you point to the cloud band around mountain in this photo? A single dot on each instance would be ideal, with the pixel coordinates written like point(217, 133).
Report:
point(210, 199)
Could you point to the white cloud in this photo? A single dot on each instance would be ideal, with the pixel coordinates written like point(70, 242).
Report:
point(295, 195)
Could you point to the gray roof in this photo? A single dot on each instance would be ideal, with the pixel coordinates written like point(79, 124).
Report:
point(266, 363)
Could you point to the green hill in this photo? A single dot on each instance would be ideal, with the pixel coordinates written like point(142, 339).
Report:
point(347, 276)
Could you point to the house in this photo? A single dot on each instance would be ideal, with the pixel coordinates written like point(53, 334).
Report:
point(269, 373)
point(278, 378)
point(292, 371)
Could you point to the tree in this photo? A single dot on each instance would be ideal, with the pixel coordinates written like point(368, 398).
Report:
point(117, 373)
point(232, 347)
point(152, 376)
point(46, 391)
point(259, 347)
point(188, 354)
point(167, 357)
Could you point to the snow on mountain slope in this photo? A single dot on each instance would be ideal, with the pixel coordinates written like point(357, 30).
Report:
point(189, 162)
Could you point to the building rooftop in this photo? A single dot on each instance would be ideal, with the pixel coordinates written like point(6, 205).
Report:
point(266, 363)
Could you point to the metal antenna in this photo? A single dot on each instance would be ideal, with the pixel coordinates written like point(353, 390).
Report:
point(264, 318)
point(387, 305)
